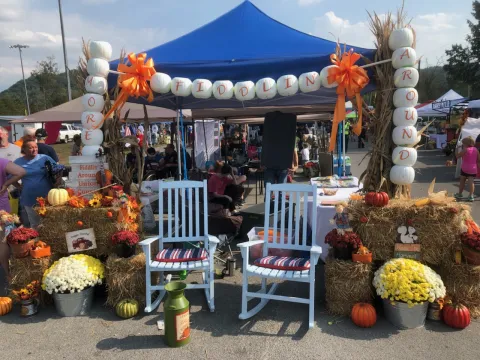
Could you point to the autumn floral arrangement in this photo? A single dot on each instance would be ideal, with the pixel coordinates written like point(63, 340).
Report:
point(21, 235)
point(125, 237)
point(345, 239)
point(471, 240)
point(29, 292)
point(408, 281)
point(73, 274)
point(8, 221)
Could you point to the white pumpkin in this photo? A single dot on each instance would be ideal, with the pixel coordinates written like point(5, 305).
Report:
point(91, 120)
point(57, 197)
point(405, 116)
point(287, 85)
point(244, 90)
point(309, 82)
point(404, 57)
point(91, 150)
point(181, 86)
point(404, 156)
point(98, 67)
point(100, 49)
point(266, 88)
point(324, 77)
point(406, 77)
point(222, 89)
point(93, 102)
point(92, 137)
point(202, 89)
point(405, 97)
point(402, 175)
point(161, 83)
point(400, 38)
point(404, 135)
point(96, 84)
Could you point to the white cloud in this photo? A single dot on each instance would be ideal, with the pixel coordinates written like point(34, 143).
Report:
point(435, 32)
point(98, 2)
point(308, 2)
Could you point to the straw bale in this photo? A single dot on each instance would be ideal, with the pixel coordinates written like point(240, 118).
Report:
point(62, 219)
point(347, 283)
point(26, 270)
point(438, 227)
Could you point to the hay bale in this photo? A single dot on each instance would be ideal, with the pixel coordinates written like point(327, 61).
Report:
point(26, 270)
point(438, 228)
point(125, 278)
point(463, 284)
point(62, 219)
point(347, 283)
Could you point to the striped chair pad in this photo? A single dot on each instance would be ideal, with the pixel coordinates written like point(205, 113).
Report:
point(283, 263)
point(181, 255)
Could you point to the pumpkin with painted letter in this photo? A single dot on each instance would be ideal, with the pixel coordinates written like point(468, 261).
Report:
point(127, 308)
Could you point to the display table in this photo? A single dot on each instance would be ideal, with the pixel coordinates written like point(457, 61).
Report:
point(441, 139)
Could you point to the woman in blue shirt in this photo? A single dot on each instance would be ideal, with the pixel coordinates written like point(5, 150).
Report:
point(36, 182)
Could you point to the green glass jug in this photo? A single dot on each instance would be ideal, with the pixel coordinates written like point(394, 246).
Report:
point(177, 315)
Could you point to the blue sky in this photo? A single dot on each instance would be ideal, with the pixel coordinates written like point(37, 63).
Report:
point(143, 24)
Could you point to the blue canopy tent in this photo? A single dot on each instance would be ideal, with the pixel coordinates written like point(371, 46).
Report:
point(243, 44)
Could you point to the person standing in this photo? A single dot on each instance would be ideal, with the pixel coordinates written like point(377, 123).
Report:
point(41, 135)
point(28, 134)
point(470, 163)
point(8, 150)
point(305, 153)
point(346, 129)
point(362, 137)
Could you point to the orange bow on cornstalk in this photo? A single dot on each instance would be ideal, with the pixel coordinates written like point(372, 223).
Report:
point(351, 80)
point(133, 81)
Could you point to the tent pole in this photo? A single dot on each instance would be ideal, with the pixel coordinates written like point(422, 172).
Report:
point(179, 156)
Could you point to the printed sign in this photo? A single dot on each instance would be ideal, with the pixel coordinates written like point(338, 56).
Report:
point(407, 251)
point(441, 104)
point(81, 240)
point(182, 326)
point(84, 176)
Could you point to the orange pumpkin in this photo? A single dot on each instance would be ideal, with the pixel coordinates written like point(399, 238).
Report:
point(364, 315)
point(5, 305)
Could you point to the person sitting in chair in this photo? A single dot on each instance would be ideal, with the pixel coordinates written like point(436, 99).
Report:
point(224, 188)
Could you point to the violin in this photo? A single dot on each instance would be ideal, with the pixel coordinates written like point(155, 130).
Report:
point(104, 176)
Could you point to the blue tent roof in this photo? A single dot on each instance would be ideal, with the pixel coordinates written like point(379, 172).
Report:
point(243, 44)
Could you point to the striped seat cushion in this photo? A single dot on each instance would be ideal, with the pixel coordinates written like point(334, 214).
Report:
point(284, 263)
point(181, 255)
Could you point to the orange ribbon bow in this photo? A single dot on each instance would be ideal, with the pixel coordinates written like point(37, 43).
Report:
point(351, 80)
point(133, 81)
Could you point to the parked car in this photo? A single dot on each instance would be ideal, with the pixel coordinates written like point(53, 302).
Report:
point(67, 132)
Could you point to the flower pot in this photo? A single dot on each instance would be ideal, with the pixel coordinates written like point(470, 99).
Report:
point(471, 256)
point(29, 307)
point(434, 312)
point(125, 251)
point(362, 258)
point(21, 250)
point(40, 252)
point(403, 317)
point(75, 304)
point(342, 253)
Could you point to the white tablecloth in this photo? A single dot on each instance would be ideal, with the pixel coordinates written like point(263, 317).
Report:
point(440, 139)
point(324, 214)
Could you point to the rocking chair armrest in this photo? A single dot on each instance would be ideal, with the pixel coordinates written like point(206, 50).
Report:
point(247, 244)
point(213, 239)
point(316, 250)
point(149, 241)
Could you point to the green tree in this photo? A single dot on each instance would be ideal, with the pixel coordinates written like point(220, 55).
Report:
point(46, 76)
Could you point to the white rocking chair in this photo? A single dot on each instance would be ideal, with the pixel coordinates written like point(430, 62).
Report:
point(180, 196)
point(288, 238)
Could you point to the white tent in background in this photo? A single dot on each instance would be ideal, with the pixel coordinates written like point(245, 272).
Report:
point(441, 106)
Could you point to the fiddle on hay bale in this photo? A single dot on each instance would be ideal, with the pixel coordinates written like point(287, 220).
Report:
point(59, 220)
point(347, 283)
point(125, 278)
point(463, 285)
point(438, 227)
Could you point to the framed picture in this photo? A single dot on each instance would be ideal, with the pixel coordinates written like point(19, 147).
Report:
point(81, 240)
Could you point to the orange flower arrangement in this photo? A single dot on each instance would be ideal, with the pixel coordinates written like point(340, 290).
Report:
point(31, 291)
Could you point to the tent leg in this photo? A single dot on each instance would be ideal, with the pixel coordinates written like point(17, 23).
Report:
point(179, 159)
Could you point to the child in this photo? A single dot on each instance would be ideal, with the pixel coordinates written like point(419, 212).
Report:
point(470, 164)
point(305, 153)
point(77, 145)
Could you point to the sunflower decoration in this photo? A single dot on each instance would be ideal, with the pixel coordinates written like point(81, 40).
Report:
point(95, 203)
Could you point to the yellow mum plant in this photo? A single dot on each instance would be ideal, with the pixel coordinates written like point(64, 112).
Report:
point(408, 281)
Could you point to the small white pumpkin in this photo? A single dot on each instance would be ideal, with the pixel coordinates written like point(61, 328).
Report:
point(406, 77)
point(96, 84)
point(266, 88)
point(161, 83)
point(244, 90)
point(101, 49)
point(405, 116)
point(309, 82)
point(400, 38)
point(93, 102)
point(404, 57)
point(181, 86)
point(202, 88)
point(98, 67)
point(402, 175)
point(405, 97)
point(404, 135)
point(57, 197)
point(324, 77)
point(91, 120)
point(222, 89)
point(404, 156)
point(92, 137)
point(287, 85)
point(91, 150)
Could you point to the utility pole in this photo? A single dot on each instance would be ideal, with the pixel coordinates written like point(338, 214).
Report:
point(20, 47)
point(65, 52)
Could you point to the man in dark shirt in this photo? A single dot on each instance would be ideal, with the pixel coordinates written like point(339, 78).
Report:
point(41, 135)
point(170, 166)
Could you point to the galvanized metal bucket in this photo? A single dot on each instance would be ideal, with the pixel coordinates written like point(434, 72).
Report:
point(403, 317)
point(75, 304)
